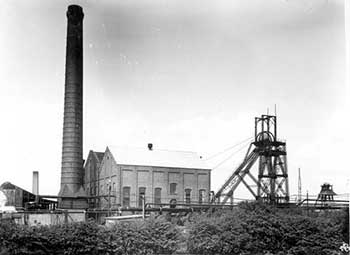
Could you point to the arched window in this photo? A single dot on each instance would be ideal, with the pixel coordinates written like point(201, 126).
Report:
point(142, 195)
point(126, 196)
point(158, 195)
point(173, 203)
point(188, 196)
point(173, 188)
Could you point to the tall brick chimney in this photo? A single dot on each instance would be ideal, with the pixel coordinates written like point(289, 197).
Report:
point(72, 190)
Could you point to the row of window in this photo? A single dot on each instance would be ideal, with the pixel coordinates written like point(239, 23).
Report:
point(142, 193)
point(157, 196)
point(93, 190)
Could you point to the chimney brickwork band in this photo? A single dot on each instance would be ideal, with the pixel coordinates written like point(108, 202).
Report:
point(72, 144)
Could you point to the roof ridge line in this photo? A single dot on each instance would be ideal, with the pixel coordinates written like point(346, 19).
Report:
point(146, 149)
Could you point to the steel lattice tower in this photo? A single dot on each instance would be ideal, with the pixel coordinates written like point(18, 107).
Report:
point(272, 180)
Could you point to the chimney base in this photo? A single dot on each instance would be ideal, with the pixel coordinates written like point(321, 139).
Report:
point(72, 200)
point(73, 203)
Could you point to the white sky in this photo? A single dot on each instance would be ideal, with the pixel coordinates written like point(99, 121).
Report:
point(184, 75)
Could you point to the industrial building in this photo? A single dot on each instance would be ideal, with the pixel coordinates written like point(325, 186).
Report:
point(156, 176)
point(121, 181)
point(129, 177)
point(22, 199)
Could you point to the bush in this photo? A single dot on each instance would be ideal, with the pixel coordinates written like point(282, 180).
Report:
point(251, 228)
point(261, 229)
point(149, 237)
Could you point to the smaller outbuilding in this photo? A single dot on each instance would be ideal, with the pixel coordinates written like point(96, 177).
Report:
point(22, 199)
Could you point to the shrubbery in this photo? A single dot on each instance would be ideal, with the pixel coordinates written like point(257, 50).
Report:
point(149, 237)
point(259, 229)
point(249, 229)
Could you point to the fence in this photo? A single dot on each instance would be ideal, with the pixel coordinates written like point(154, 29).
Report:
point(56, 217)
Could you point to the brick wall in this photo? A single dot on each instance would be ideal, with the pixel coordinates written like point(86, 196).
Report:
point(148, 177)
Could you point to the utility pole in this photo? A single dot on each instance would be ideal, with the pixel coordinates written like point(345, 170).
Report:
point(299, 186)
point(143, 206)
point(307, 202)
point(109, 197)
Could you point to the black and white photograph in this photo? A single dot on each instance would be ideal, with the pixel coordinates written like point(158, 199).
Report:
point(175, 127)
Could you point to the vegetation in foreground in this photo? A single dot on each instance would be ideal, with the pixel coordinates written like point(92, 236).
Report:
point(260, 229)
point(149, 237)
point(249, 229)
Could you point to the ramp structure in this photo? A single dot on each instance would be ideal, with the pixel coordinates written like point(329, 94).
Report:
point(271, 183)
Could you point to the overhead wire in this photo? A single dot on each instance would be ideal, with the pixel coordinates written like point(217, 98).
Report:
point(230, 156)
point(229, 148)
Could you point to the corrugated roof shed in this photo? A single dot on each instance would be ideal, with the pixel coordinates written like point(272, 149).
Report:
point(157, 157)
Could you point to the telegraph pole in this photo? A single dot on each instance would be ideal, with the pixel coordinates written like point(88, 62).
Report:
point(299, 186)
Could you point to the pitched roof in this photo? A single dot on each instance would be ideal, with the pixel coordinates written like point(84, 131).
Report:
point(7, 185)
point(99, 155)
point(157, 157)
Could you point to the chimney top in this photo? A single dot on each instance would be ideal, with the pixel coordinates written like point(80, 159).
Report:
point(75, 14)
point(75, 8)
point(150, 146)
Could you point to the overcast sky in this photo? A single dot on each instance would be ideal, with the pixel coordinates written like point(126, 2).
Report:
point(184, 75)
